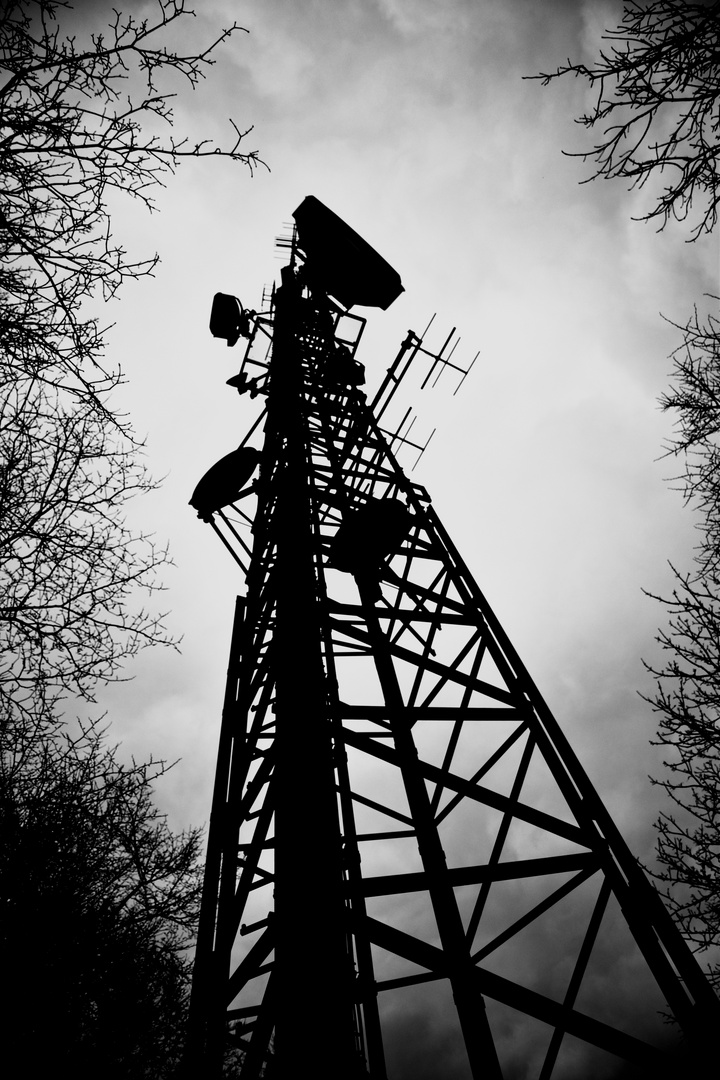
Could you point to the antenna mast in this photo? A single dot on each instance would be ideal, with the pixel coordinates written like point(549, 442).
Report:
point(396, 813)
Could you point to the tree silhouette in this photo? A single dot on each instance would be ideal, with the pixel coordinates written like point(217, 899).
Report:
point(99, 901)
point(687, 696)
point(657, 106)
point(99, 896)
point(84, 123)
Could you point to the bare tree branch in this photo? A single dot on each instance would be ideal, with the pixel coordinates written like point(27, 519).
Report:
point(687, 691)
point(99, 897)
point(657, 107)
point(80, 122)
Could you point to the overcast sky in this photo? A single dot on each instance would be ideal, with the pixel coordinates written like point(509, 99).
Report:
point(411, 119)
point(413, 122)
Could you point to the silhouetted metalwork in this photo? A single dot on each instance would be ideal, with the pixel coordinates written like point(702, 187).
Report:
point(229, 320)
point(339, 262)
point(224, 481)
point(398, 823)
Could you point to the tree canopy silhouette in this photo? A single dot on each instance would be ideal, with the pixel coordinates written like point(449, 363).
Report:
point(687, 695)
point(86, 121)
point(98, 895)
point(657, 107)
point(99, 900)
point(658, 110)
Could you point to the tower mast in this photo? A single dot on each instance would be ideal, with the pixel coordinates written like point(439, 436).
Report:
point(395, 809)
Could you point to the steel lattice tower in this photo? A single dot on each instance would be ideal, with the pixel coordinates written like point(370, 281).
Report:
point(396, 813)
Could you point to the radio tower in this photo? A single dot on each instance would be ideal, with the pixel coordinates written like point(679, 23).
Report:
point(401, 836)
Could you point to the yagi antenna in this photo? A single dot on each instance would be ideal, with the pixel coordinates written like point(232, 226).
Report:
point(472, 364)
point(446, 362)
point(411, 346)
point(399, 436)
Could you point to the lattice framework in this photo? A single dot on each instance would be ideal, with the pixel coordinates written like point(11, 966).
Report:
point(395, 806)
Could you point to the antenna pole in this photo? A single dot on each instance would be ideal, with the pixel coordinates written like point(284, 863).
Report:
point(314, 973)
point(399, 826)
